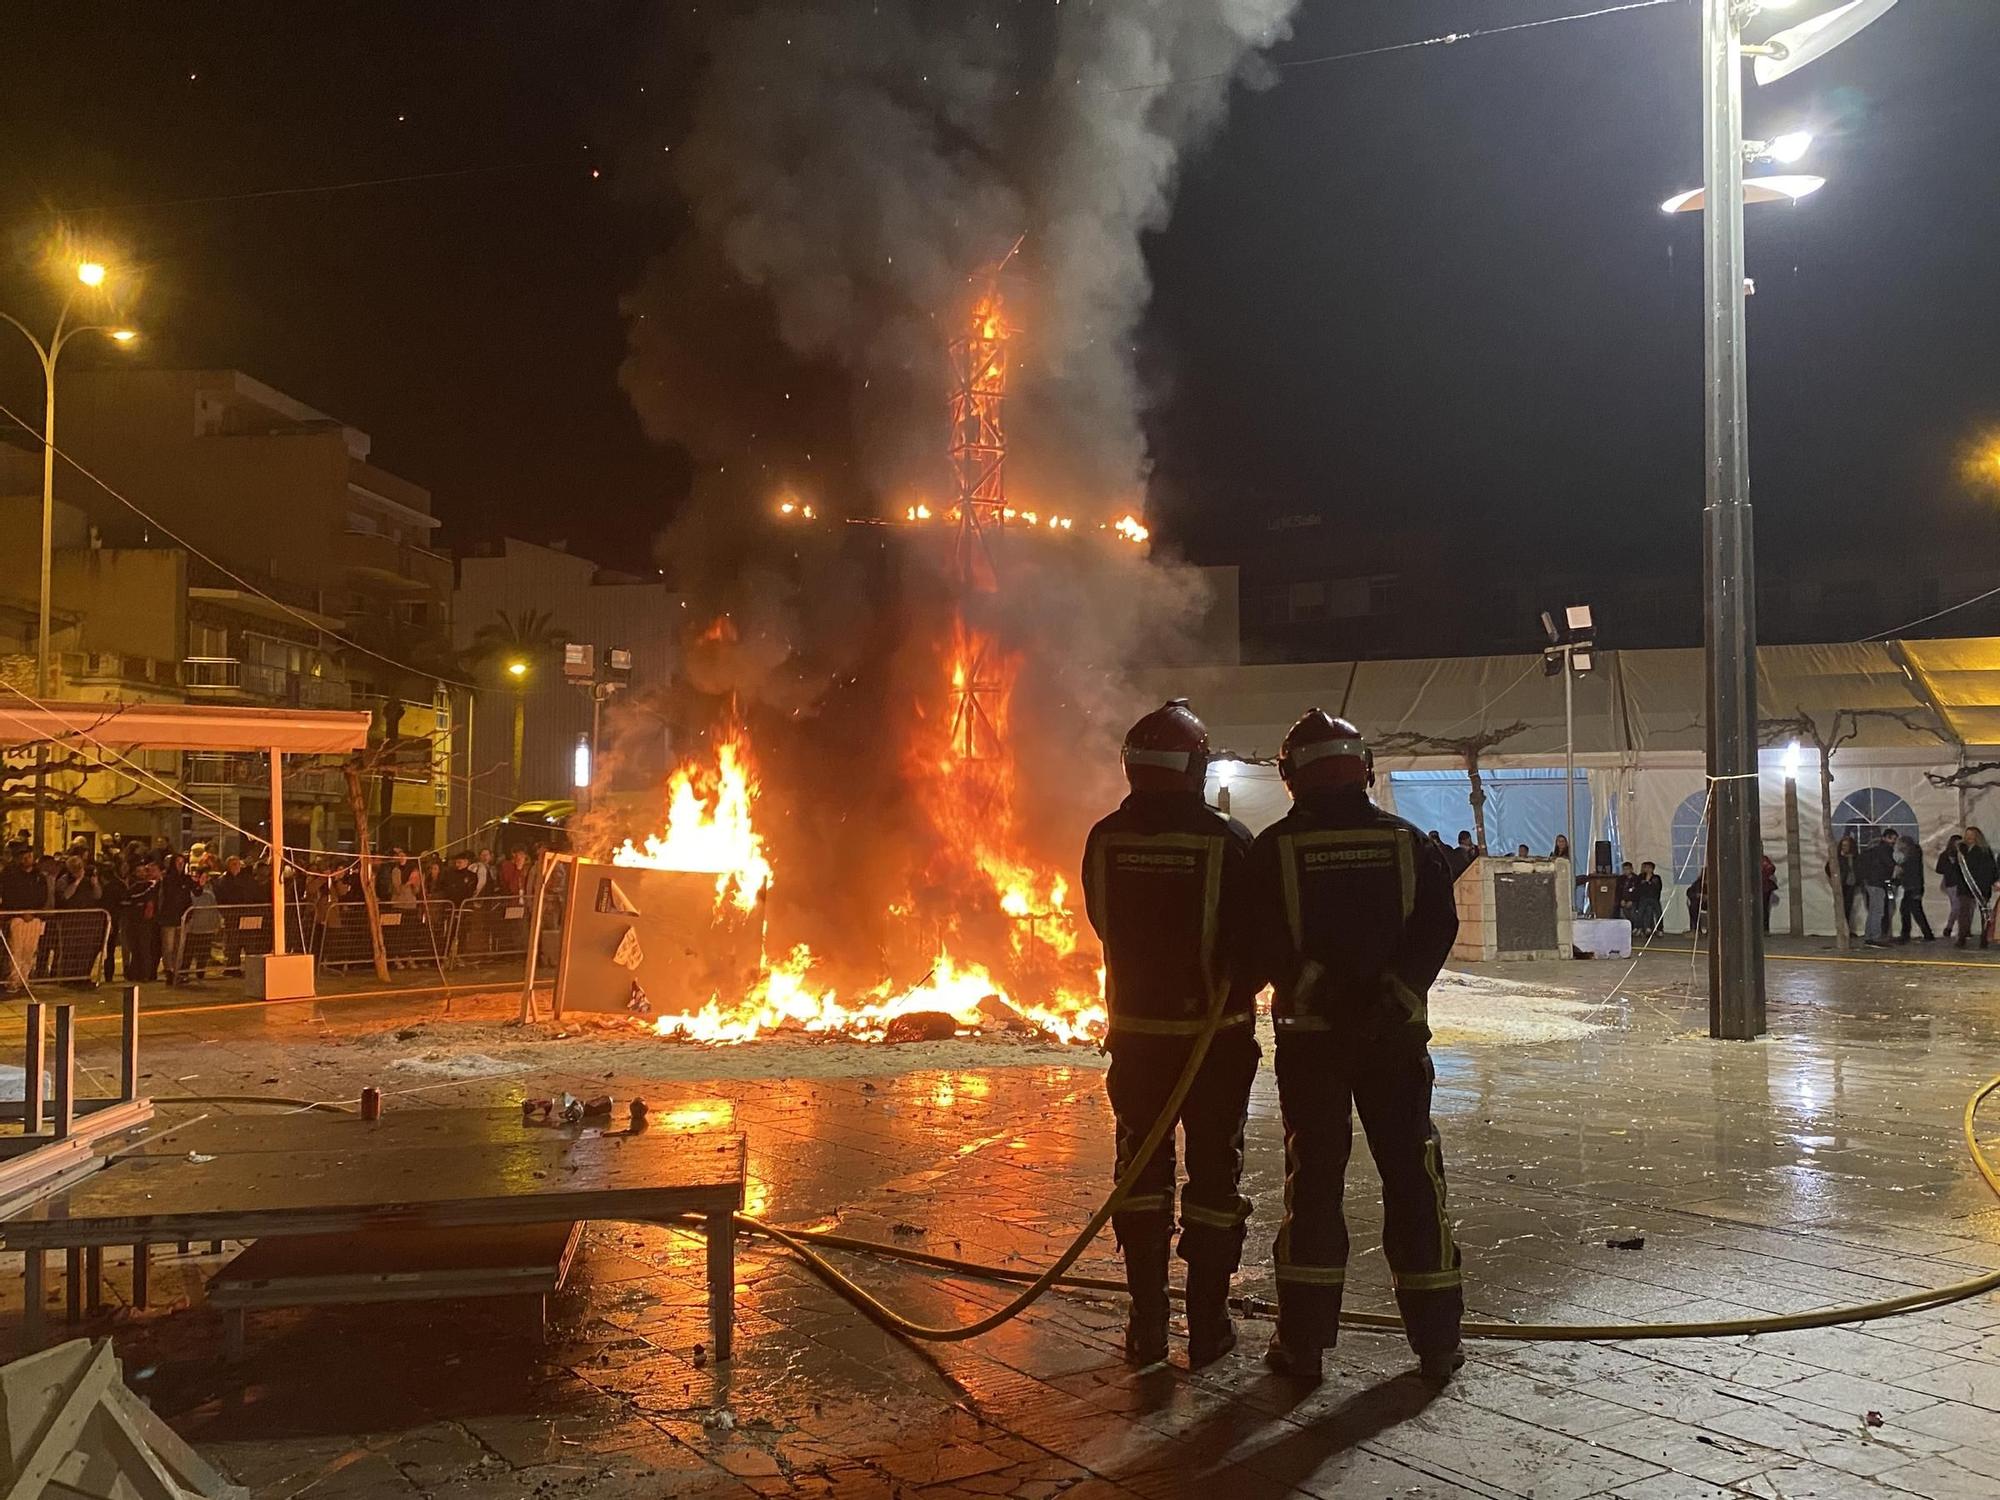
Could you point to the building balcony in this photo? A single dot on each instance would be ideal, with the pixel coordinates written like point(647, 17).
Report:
point(113, 669)
point(228, 679)
point(383, 564)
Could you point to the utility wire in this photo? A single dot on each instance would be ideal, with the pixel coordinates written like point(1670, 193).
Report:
point(1937, 614)
point(300, 615)
point(313, 189)
point(1445, 40)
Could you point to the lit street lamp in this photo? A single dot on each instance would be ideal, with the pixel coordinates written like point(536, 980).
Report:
point(517, 669)
point(90, 274)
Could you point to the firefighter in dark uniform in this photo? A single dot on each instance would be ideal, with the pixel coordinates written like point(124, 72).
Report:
point(1163, 885)
point(1354, 918)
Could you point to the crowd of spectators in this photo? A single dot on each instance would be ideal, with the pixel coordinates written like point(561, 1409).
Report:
point(175, 915)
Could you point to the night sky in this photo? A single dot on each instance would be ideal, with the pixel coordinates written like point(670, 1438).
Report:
point(1432, 286)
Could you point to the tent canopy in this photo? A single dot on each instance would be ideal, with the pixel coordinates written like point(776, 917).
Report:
point(185, 726)
point(1912, 696)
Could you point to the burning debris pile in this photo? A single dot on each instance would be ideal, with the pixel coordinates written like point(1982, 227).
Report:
point(932, 672)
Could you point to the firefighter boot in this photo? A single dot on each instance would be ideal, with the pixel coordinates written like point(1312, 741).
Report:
point(1211, 1334)
point(1146, 1280)
point(1439, 1366)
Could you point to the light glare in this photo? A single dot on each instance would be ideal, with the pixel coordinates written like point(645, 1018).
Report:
point(1790, 147)
point(90, 273)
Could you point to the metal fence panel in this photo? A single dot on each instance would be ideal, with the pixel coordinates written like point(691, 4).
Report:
point(226, 934)
point(491, 927)
point(411, 935)
point(61, 946)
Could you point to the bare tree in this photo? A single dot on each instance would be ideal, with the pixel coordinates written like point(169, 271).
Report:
point(1468, 749)
point(1826, 732)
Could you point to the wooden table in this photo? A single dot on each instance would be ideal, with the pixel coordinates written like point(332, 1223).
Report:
point(247, 1177)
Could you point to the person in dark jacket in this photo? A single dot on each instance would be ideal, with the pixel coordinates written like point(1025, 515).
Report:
point(1876, 869)
point(111, 900)
point(176, 895)
point(1846, 864)
point(140, 922)
point(1163, 886)
point(1957, 895)
point(1648, 898)
point(1910, 882)
point(236, 888)
point(1353, 919)
point(1981, 870)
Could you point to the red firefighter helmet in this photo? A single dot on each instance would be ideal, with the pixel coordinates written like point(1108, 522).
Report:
point(1322, 751)
point(1167, 750)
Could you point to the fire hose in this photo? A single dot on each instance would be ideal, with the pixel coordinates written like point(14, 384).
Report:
point(806, 1244)
point(801, 1243)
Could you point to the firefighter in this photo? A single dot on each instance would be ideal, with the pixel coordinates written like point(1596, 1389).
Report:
point(1354, 918)
point(1162, 879)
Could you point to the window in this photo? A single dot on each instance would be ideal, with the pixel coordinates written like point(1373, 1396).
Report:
point(1864, 814)
point(1690, 829)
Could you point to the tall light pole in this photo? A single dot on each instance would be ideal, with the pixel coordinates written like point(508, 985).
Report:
point(89, 274)
point(1733, 886)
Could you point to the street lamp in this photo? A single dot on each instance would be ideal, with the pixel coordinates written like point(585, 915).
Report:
point(1734, 876)
point(517, 669)
point(1571, 651)
point(91, 275)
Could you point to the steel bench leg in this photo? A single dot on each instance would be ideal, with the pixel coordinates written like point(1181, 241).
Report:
point(142, 1275)
point(34, 1290)
point(93, 1280)
point(73, 1284)
point(721, 1280)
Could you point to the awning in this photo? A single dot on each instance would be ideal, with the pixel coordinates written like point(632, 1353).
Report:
point(184, 726)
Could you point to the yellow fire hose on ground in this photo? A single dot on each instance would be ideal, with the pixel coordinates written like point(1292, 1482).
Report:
point(806, 1244)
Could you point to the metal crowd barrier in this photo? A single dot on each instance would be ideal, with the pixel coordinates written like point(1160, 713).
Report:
point(221, 936)
point(64, 945)
point(492, 927)
point(411, 935)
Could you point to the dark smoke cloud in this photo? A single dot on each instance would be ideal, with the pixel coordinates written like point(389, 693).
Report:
point(848, 167)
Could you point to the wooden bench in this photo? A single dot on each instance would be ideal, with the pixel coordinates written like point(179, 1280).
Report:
point(394, 1265)
point(265, 1177)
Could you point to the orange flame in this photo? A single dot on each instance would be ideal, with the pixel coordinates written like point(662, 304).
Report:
point(709, 828)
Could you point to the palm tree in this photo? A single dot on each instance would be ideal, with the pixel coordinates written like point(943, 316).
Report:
point(514, 643)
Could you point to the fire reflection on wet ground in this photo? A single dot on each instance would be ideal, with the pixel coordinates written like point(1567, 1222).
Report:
point(1818, 1165)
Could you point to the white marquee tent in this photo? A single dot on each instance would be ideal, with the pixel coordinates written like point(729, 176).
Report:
point(1915, 711)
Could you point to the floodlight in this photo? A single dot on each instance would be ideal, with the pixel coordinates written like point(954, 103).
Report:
point(1578, 617)
point(1789, 148)
point(1814, 37)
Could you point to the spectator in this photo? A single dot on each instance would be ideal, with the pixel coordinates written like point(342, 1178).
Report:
point(1561, 849)
point(1981, 871)
point(1957, 893)
point(1466, 853)
point(1696, 905)
point(1522, 853)
point(77, 949)
point(1876, 868)
point(111, 886)
point(405, 905)
point(175, 897)
point(198, 928)
point(1647, 896)
point(487, 873)
point(1910, 881)
point(1768, 877)
point(1846, 865)
point(1628, 893)
point(22, 891)
point(140, 923)
point(514, 874)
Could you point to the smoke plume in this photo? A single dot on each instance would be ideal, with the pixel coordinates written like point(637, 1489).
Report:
point(848, 168)
point(849, 172)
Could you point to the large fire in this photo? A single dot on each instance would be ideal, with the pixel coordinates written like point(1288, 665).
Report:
point(995, 895)
point(709, 828)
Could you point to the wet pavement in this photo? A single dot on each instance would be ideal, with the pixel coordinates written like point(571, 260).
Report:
point(1820, 1165)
